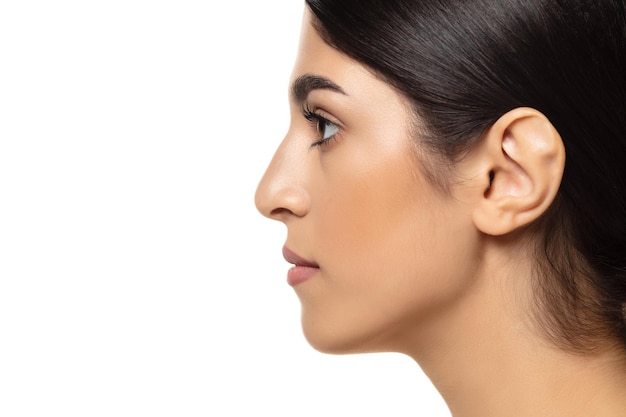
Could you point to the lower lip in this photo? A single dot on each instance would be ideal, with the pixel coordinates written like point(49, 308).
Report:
point(299, 274)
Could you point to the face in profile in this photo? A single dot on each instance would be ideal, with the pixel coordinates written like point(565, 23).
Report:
point(383, 253)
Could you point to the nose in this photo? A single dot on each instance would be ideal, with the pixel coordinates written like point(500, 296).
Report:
point(282, 192)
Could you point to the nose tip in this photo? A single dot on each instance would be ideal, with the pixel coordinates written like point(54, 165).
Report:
point(282, 193)
point(280, 201)
point(261, 200)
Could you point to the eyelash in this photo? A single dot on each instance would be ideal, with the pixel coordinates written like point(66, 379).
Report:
point(316, 120)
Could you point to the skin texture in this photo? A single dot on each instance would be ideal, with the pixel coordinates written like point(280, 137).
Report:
point(405, 267)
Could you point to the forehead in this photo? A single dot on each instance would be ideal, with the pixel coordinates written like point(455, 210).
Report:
point(362, 91)
point(316, 57)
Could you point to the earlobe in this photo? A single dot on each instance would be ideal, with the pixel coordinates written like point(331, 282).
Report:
point(524, 158)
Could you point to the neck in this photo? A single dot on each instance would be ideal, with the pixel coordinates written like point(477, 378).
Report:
point(486, 360)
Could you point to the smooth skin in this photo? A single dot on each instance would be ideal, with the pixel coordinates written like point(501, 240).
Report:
point(442, 276)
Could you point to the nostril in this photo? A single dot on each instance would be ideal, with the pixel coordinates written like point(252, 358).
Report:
point(279, 211)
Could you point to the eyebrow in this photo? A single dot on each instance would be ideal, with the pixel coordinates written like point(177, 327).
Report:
point(304, 84)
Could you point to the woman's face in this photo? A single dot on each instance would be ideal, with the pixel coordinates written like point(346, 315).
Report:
point(392, 251)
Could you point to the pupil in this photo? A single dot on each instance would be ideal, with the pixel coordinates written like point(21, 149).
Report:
point(321, 127)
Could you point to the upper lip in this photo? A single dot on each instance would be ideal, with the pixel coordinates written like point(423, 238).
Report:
point(297, 260)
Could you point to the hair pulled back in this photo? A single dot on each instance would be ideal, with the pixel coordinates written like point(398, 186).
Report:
point(463, 64)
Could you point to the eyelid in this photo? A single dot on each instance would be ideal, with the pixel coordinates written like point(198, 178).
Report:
point(315, 116)
point(316, 111)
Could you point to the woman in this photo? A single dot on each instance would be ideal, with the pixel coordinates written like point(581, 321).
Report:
point(453, 185)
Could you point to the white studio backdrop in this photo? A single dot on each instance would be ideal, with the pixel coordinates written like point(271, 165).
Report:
point(136, 277)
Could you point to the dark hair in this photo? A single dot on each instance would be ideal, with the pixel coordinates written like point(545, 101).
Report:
point(463, 64)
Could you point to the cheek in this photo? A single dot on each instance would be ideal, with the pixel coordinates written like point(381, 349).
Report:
point(363, 205)
point(381, 241)
point(369, 188)
point(392, 252)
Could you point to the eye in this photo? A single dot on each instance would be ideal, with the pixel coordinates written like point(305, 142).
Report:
point(326, 129)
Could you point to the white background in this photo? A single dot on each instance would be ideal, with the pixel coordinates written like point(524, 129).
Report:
point(136, 277)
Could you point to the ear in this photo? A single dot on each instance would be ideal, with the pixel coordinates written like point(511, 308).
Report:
point(522, 158)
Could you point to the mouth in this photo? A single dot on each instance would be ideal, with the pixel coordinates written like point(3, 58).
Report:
point(297, 260)
point(302, 270)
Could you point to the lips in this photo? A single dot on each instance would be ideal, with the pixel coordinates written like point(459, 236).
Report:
point(302, 270)
point(293, 258)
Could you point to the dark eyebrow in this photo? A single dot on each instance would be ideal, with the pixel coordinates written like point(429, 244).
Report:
point(306, 83)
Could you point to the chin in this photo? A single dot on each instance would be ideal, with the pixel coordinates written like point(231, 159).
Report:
point(327, 339)
point(330, 346)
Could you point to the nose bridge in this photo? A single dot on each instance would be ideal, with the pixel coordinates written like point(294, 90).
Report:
point(282, 190)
